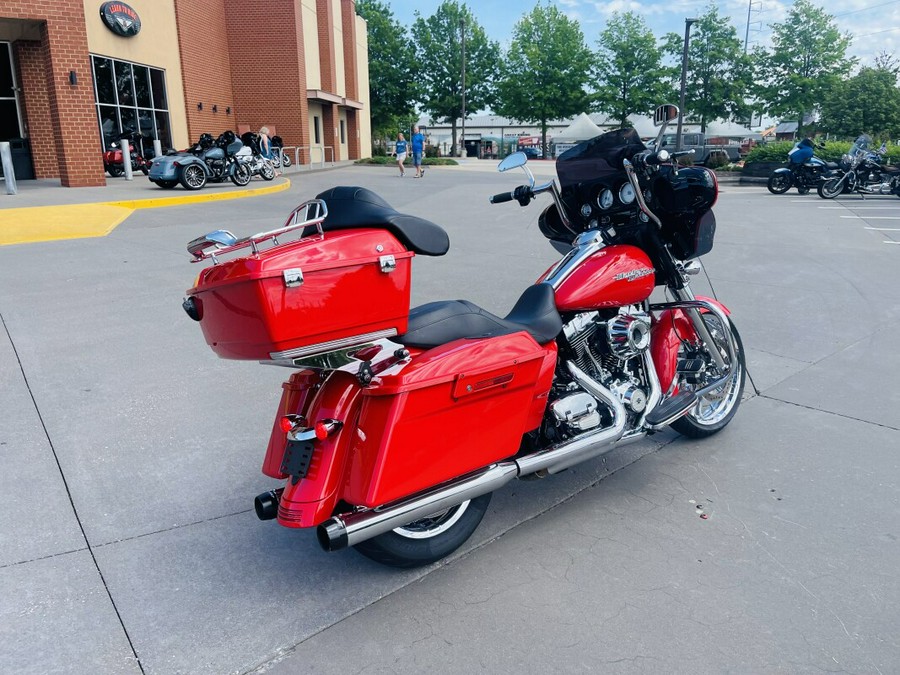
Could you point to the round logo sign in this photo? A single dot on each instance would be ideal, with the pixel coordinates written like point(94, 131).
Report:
point(120, 18)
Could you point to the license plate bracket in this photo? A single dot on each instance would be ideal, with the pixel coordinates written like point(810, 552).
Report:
point(296, 460)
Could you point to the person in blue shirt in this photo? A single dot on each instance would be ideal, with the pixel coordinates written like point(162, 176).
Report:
point(418, 149)
point(400, 149)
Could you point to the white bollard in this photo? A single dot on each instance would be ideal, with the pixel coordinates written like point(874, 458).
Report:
point(157, 148)
point(126, 158)
point(9, 173)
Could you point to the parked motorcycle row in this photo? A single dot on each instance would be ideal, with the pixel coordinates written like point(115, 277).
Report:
point(209, 160)
point(860, 170)
point(396, 425)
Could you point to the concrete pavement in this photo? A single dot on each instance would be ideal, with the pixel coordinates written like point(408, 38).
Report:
point(131, 455)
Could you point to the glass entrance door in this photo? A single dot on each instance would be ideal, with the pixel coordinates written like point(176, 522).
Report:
point(10, 117)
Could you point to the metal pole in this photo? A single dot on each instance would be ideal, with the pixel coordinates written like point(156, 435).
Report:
point(684, 65)
point(157, 148)
point(462, 30)
point(9, 174)
point(125, 146)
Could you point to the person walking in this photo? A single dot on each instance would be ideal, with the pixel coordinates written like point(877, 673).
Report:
point(418, 150)
point(400, 149)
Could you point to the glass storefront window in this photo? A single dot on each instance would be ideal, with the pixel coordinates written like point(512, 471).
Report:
point(103, 78)
point(131, 98)
point(142, 86)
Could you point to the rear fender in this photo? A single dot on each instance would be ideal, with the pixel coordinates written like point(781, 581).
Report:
point(669, 329)
point(312, 500)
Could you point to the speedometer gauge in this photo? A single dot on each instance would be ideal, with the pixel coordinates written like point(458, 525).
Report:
point(626, 193)
point(605, 200)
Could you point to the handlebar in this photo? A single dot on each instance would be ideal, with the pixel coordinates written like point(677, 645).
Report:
point(522, 194)
point(502, 197)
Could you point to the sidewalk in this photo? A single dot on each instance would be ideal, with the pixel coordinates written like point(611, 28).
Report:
point(45, 211)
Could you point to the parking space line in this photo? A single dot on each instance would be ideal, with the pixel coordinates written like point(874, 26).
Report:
point(890, 242)
point(872, 217)
point(883, 229)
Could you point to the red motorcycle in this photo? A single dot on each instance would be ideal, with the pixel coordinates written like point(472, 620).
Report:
point(397, 425)
point(114, 165)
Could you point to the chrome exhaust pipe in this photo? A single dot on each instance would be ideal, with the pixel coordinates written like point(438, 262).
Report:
point(349, 529)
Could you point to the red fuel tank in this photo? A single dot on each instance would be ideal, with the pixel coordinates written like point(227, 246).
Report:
point(611, 277)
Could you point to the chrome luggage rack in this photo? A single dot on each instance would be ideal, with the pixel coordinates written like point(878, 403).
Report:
point(220, 242)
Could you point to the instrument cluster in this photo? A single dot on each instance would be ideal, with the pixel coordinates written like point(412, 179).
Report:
point(604, 203)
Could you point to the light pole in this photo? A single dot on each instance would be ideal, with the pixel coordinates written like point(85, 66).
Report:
point(462, 34)
point(684, 65)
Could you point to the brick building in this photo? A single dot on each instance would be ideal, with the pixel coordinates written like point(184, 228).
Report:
point(76, 75)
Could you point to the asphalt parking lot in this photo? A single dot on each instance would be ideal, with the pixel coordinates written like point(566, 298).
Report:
point(131, 455)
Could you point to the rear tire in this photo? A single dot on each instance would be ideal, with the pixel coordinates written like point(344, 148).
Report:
point(114, 171)
point(831, 188)
point(192, 177)
point(717, 408)
point(285, 161)
point(779, 183)
point(427, 540)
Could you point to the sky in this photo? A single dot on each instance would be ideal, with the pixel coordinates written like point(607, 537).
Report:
point(875, 24)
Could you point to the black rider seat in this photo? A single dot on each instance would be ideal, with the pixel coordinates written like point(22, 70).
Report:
point(437, 323)
point(354, 207)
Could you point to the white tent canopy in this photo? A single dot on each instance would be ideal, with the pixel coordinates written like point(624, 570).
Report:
point(581, 129)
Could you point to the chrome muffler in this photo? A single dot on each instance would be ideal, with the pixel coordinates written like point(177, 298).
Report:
point(350, 529)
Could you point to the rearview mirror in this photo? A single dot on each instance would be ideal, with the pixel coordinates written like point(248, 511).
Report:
point(514, 161)
point(665, 113)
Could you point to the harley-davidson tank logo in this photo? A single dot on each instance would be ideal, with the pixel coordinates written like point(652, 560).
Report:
point(631, 275)
point(120, 18)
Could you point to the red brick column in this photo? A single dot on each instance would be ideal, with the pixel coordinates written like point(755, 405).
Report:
point(327, 58)
point(353, 144)
point(35, 102)
point(348, 26)
point(268, 68)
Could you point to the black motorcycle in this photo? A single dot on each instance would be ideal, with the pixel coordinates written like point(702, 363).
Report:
point(206, 161)
point(804, 171)
point(862, 171)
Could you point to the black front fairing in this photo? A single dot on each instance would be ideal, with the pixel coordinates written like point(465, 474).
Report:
point(592, 167)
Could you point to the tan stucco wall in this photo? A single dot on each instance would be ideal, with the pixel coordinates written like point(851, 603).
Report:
point(342, 151)
point(156, 45)
point(311, 45)
point(362, 74)
point(316, 152)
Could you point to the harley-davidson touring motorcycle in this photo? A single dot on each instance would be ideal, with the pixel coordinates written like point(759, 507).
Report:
point(862, 171)
point(804, 170)
point(396, 425)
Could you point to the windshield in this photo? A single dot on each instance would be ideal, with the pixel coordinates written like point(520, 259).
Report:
point(597, 158)
point(860, 145)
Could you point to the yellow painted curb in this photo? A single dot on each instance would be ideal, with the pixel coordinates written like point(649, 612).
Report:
point(78, 221)
point(51, 223)
point(157, 202)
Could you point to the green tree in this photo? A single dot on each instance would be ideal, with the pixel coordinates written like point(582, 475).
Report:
point(439, 52)
point(545, 70)
point(719, 73)
point(807, 59)
point(867, 103)
point(629, 68)
point(392, 66)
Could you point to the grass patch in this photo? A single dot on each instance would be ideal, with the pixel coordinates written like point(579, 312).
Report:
point(426, 161)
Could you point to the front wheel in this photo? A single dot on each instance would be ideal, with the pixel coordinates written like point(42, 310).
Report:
point(831, 188)
point(429, 539)
point(266, 170)
point(779, 183)
point(285, 161)
point(241, 175)
point(114, 171)
point(714, 409)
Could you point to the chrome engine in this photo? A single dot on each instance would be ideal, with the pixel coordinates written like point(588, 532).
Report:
point(610, 350)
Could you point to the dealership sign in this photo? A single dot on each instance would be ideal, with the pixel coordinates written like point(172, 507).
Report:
point(120, 18)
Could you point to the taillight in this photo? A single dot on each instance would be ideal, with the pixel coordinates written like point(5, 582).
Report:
point(324, 428)
point(289, 422)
